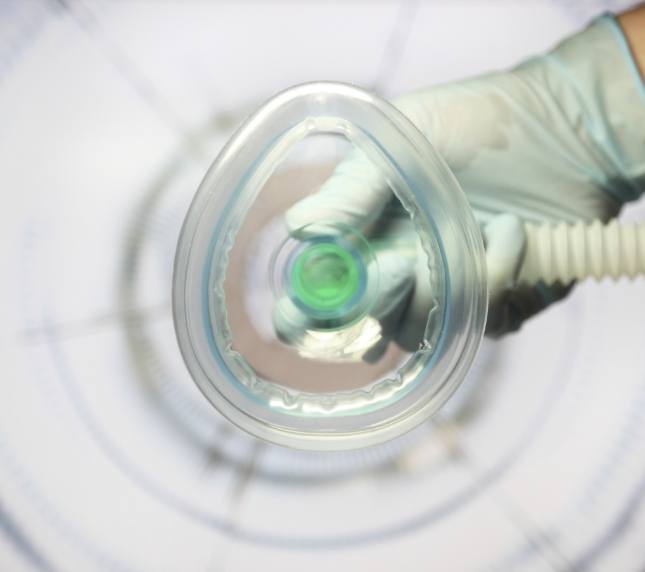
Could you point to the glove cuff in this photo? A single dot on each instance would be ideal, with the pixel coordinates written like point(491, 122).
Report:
point(607, 102)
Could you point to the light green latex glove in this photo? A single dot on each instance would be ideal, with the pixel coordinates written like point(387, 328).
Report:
point(560, 137)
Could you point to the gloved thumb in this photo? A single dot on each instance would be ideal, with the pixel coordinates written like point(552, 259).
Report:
point(353, 196)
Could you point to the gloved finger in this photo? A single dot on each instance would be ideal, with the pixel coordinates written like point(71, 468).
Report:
point(295, 328)
point(394, 245)
point(357, 191)
point(289, 322)
point(354, 195)
point(394, 248)
point(511, 304)
point(396, 284)
point(505, 241)
point(416, 319)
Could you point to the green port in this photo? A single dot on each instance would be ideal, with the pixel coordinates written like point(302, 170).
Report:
point(325, 277)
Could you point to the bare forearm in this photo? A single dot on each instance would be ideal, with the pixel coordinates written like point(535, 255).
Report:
point(633, 24)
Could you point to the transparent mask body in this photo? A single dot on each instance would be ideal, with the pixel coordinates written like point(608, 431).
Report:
point(290, 332)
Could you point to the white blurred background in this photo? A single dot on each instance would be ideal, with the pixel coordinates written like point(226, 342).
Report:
point(110, 459)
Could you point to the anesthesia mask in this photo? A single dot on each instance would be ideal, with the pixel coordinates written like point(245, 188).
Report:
point(286, 329)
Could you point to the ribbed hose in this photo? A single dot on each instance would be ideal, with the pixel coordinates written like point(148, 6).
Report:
point(566, 252)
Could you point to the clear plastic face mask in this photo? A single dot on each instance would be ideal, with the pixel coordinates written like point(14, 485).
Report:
point(288, 331)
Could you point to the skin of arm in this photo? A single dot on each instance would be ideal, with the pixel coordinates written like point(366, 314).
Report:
point(633, 24)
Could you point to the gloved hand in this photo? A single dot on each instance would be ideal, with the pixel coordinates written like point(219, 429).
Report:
point(560, 137)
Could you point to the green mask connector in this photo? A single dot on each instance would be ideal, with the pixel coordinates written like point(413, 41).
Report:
point(324, 280)
point(325, 277)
